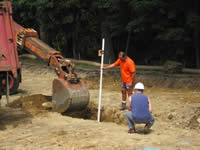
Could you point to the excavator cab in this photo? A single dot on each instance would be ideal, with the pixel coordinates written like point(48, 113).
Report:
point(69, 92)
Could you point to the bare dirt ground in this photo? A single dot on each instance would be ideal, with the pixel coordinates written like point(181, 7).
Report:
point(26, 125)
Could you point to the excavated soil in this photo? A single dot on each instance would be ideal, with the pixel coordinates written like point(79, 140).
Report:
point(26, 124)
point(31, 104)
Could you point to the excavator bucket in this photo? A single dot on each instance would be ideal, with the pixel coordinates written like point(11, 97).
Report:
point(69, 96)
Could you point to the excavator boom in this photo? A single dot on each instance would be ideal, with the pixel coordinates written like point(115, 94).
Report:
point(28, 39)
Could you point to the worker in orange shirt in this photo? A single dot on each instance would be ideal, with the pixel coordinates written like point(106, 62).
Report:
point(128, 72)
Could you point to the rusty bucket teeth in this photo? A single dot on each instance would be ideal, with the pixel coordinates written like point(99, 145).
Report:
point(68, 96)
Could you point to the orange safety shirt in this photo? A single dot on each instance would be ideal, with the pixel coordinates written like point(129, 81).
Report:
point(127, 68)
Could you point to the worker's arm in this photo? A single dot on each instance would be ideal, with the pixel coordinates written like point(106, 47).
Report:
point(132, 70)
point(132, 78)
point(150, 107)
point(109, 67)
point(129, 103)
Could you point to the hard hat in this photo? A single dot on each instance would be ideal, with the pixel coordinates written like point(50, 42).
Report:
point(139, 86)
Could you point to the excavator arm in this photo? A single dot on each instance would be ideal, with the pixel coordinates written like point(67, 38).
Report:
point(69, 92)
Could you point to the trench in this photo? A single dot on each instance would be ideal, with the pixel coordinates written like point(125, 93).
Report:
point(108, 114)
point(176, 114)
point(175, 99)
point(32, 105)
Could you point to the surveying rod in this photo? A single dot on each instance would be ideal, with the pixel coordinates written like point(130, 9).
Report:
point(101, 77)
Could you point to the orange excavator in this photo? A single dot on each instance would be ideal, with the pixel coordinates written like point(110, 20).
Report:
point(69, 92)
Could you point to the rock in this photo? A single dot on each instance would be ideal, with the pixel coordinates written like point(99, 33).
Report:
point(173, 66)
point(198, 120)
point(171, 115)
point(47, 105)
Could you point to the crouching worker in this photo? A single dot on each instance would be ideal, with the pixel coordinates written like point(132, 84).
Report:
point(140, 109)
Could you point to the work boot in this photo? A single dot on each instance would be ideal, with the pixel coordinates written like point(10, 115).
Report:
point(131, 131)
point(123, 106)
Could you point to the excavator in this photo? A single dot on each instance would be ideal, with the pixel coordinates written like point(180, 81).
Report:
point(69, 92)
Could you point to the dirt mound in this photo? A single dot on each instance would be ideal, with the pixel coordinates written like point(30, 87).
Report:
point(149, 78)
point(187, 118)
point(31, 104)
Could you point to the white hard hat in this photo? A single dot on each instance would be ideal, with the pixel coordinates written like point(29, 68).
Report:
point(139, 86)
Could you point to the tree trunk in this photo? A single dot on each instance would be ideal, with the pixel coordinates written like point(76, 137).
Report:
point(74, 45)
point(75, 36)
point(196, 34)
point(192, 12)
point(43, 35)
point(196, 46)
point(108, 49)
point(128, 42)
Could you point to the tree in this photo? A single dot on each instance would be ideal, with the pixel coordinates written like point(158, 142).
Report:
point(193, 21)
point(150, 31)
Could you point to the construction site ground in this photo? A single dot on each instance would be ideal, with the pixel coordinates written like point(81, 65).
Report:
point(26, 125)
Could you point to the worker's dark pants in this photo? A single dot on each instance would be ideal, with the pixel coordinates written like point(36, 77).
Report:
point(131, 122)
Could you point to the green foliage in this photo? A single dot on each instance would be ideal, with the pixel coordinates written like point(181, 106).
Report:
point(172, 34)
point(155, 27)
point(193, 21)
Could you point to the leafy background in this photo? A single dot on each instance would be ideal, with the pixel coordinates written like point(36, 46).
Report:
point(150, 31)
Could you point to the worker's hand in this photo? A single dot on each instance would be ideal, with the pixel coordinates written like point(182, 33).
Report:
point(129, 107)
point(103, 68)
point(130, 85)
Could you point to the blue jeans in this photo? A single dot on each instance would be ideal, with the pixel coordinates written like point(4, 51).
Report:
point(131, 122)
